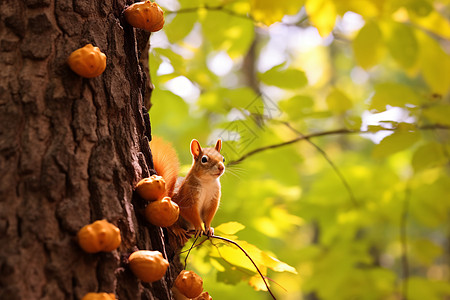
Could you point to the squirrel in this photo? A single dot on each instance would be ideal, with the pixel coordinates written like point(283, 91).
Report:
point(197, 194)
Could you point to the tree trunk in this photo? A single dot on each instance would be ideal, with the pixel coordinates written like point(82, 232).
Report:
point(71, 151)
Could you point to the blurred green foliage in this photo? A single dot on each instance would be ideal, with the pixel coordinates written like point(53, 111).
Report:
point(361, 213)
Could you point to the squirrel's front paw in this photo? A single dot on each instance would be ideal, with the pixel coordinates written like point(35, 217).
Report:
point(209, 231)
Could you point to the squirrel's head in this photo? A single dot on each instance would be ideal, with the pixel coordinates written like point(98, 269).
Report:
point(208, 162)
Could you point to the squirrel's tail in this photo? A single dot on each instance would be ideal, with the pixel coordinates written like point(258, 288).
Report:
point(165, 162)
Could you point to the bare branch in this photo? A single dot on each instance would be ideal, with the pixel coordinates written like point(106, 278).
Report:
point(325, 133)
point(221, 8)
point(300, 138)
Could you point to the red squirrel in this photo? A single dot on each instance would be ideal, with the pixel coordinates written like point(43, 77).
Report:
point(197, 194)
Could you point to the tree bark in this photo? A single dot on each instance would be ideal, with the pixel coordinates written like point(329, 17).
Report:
point(71, 151)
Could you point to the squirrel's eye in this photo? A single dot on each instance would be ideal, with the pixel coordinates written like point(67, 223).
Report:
point(204, 159)
point(224, 159)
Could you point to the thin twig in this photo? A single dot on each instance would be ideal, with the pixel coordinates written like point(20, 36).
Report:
point(189, 252)
point(254, 264)
point(404, 243)
point(221, 8)
point(330, 162)
point(241, 269)
point(300, 138)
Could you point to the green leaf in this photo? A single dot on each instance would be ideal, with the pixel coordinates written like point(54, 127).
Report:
point(180, 26)
point(297, 106)
point(172, 113)
point(232, 274)
point(428, 156)
point(398, 141)
point(368, 45)
point(176, 60)
point(393, 94)
point(228, 33)
point(338, 102)
point(282, 77)
point(212, 101)
point(402, 44)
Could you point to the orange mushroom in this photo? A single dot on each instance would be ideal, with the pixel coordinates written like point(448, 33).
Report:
point(99, 236)
point(145, 15)
point(189, 284)
point(148, 266)
point(151, 188)
point(162, 213)
point(88, 61)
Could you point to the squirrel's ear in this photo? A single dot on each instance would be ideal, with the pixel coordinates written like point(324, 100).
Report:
point(195, 148)
point(218, 145)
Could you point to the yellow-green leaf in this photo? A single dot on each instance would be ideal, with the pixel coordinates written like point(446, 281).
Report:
point(368, 45)
point(425, 251)
point(439, 114)
point(180, 26)
point(393, 94)
point(429, 155)
point(395, 142)
point(338, 102)
point(229, 228)
point(269, 11)
point(257, 283)
point(322, 14)
point(435, 64)
point(227, 32)
point(284, 78)
point(275, 264)
point(433, 22)
point(402, 44)
point(297, 106)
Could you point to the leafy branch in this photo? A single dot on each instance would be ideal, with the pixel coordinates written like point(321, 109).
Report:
point(242, 249)
point(252, 261)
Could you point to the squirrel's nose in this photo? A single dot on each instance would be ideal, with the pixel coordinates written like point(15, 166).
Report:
point(221, 167)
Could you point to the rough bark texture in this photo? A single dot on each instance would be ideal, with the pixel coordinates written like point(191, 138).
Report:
point(71, 151)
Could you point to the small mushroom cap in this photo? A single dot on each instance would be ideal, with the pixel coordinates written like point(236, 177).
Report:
point(88, 61)
point(145, 15)
point(148, 266)
point(189, 284)
point(151, 188)
point(162, 213)
point(99, 236)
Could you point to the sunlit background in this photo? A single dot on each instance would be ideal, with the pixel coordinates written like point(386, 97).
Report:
point(362, 210)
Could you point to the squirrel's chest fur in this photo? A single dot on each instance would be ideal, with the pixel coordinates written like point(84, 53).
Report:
point(207, 193)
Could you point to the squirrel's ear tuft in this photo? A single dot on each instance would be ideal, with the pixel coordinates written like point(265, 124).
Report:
point(195, 148)
point(218, 145)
